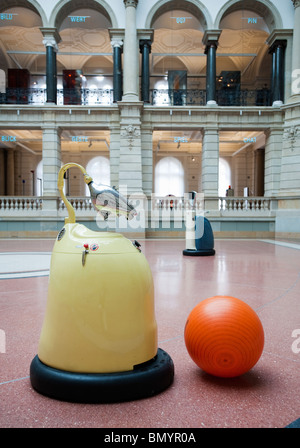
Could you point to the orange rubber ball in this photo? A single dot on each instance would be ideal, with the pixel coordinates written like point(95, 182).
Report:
point(224, 336)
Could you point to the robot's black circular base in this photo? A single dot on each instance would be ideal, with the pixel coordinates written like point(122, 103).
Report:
point(146, 380)
point(198, 253)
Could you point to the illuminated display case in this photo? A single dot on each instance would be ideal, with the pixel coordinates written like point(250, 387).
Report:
point(72, 80)
point(18, 81)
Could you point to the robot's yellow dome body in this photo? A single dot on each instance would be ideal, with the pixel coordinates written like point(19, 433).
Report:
point(100, 313)
point(99, 337)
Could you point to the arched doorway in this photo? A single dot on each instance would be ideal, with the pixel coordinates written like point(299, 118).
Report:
point(169, 177)
point(224, 176)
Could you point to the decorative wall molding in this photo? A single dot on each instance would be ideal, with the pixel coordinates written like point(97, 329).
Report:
point(130, 132)
point(291, 135)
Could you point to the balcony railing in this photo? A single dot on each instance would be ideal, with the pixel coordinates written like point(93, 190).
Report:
point(158, 97)
point(244, 204)
point(83, 206)
point(184, 97)
point(26, 206)
point(20, 206)
point(195, 97)
point(23, 96)
point(84, 97)
point(259, 97)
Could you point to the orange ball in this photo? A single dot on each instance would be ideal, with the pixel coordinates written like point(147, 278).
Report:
point(224, 336)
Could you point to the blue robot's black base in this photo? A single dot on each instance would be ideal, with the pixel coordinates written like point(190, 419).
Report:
point(145, 380)
point(198, 253)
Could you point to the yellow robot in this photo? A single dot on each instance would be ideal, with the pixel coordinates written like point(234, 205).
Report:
point(98, 342)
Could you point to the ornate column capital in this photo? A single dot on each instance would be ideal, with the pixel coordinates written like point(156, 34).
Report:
point(51, 37)
point(145, 43)
point(116, 43)
point(50, 42)
point(131, 3)
point(211, 37)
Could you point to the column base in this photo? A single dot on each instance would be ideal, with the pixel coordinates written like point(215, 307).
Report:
point(130, 97)
point(211, 103)
point(278, 103)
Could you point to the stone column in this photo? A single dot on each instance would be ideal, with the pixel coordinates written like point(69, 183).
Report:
point(273, 71)
point(210, 167)
point(147, 158)
point(259, 172)
point(130, 162)
point(145, 49)
point(117, 45)
point(273, 150)
point(51, 39)
point(130, 72)
point(288, 213)
point(114, 151)
point(210, 40)
point(51, 166)
point(290, 161)
point(277, 81)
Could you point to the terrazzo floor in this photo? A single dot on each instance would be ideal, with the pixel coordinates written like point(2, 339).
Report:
point(265, 274)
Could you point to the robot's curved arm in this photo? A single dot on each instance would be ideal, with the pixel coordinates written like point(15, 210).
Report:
point(105, 199)
point(60, 186)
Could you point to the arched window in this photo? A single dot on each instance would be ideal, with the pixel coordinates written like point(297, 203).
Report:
point(99, 169)
point(224, 176)
point(169, 177)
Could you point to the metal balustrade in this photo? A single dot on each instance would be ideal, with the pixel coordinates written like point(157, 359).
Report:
point(23, 96)
point(85, 97)
point(196, 97)
point(167, 97)
point(158, 97)
point(72, 97)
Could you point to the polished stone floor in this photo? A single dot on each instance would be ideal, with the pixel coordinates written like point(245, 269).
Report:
point(265, 274)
